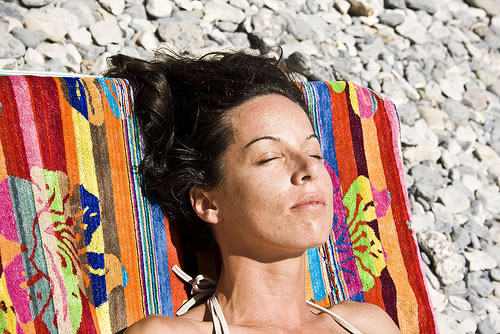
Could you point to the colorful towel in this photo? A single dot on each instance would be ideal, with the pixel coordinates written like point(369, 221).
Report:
point(83, 251)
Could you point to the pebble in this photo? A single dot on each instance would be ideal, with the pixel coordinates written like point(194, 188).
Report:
point(438, 61)
point(479, 260)
point(10, 47)
point(52, 26)
point(159, 8)
point(106, 32)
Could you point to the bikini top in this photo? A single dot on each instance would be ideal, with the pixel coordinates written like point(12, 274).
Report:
point(203, 286)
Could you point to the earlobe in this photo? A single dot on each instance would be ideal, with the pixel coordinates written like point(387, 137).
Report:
point(203, 205)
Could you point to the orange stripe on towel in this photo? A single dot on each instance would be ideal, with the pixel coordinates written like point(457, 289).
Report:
point(408, 320)
point(124, 214)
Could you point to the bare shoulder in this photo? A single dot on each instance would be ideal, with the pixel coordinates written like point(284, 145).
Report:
point(366, 317)
point(156, 323)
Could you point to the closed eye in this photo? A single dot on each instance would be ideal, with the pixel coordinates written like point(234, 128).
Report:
point(316, 156)
point(267, 160)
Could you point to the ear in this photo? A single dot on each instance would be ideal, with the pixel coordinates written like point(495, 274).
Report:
point(204, 205)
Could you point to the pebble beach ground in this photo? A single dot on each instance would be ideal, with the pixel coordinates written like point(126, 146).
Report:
point(439, 61)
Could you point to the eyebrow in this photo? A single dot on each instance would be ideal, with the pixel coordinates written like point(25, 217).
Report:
point(275, 139)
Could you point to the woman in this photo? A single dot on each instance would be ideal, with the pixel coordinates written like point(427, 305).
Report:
point(232, 156)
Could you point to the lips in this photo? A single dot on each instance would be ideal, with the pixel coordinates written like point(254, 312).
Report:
point(310, 201)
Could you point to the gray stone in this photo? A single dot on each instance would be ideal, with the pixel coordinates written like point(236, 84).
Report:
point(430, 6)
point(486, 327)
point(136, 11)
point(391, 19)
point(460, 303)
point(495, 274)
point(35, 3)
point(106, 32)
point(457, 111)
point(10, 47)
point(394, 4)
point(159, 8)
point(454, 199)
point(182, 36)
point(448, 264)
point(493, 40)
point(492, 7)
point(457, 49)
point(30, 38)
point(7, 9)
point(54, 65)
point(85, 16)
point(460, 237)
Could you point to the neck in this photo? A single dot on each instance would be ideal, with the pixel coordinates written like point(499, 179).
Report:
point(253, 293)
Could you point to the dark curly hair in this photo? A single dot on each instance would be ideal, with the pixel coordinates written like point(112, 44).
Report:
point(183, 105)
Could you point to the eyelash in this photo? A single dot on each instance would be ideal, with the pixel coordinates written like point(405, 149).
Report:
point(319, 157)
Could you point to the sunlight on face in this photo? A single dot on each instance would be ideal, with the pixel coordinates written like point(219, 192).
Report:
point(276, 194)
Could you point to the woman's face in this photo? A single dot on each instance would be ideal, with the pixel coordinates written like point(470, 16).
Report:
point(276, 195)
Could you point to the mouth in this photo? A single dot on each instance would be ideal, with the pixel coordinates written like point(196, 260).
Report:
point(311, 201)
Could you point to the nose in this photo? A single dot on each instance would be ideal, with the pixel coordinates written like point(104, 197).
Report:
point(305, 169)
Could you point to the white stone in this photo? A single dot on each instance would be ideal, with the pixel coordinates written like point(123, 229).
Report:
point(486, 153)
point(51, 50)
point(418, 134)
point(33, 57)
point(81, 36)
point(454, 199)
point(468, 325)
point(188, 4)
point(68, 19)
point(495, 320)
point(411, 28)
point(497, 288)
point(222, 12)
point(141, 25)
point(159, 8)
point(115, 7)
point(51, 25)
point(452, 87)
point(438, 299)
point(73, 58)
point(471, 181)
point(449, 265)
point(100, 63)
point(148, 41)
point(416, 154)
point(433, 117)
point(106, 32)
point(479, 260)
point(9, 64)
point(465, 133)
point(243, 4)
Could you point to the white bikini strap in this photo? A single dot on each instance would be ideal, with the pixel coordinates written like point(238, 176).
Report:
point(220, 323)
point(337, 318)
point(201, 287)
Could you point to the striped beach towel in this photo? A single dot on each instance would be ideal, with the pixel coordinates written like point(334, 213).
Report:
point(84, 249)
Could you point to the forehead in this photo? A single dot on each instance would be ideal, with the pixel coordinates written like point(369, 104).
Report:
point(271, 114)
